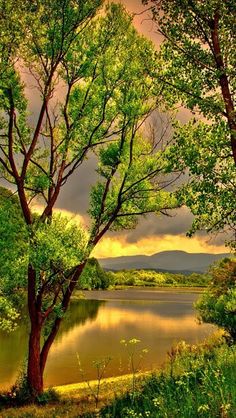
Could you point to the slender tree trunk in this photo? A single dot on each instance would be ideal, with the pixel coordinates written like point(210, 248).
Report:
point(224, 83)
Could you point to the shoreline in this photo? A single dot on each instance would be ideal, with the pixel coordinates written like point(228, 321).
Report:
point(76, 387)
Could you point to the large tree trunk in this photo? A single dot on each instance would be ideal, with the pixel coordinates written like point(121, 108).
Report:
point(34, 372)
point(55, 327)
point(36, 357)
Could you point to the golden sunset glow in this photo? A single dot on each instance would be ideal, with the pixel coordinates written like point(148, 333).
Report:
point(119, 246)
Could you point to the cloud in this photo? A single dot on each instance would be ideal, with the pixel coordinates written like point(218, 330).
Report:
point(120, 246)
point(75, 217)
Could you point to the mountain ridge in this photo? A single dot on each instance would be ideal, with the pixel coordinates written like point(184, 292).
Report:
point(172, 261)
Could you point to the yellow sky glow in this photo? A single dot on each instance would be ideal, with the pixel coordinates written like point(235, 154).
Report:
point(118, 246)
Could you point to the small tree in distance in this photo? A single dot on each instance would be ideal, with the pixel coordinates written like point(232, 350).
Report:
point(106, 71)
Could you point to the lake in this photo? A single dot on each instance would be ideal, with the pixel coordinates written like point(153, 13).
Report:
point(94, 327)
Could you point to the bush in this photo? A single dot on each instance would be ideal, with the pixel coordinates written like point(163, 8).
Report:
point(218, 304)
point(94, 277)
point(20, 394)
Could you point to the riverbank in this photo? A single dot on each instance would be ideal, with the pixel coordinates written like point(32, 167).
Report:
point(97, 278)
point(198, 381)
point(75, 400)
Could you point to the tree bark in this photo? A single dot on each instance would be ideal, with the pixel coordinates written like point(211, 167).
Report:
point(65, 303)
point(37, 357)
point(34, 372)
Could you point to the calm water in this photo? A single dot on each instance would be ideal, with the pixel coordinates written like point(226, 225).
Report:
point(95, 326)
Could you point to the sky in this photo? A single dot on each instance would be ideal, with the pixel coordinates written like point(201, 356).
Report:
point(153, 233)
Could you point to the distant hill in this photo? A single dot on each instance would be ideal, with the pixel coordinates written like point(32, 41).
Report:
point(171, 261)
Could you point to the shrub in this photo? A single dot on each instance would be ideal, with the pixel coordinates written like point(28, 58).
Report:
point(218, 304)
point(94, 277)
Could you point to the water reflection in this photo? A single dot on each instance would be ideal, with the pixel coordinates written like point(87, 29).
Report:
point(13, 349)
point(94, 328)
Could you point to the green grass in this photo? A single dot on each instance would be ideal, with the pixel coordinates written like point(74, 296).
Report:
point(200, 381)
point(75, 400)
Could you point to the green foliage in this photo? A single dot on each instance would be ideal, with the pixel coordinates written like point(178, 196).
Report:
point(13, 250)
point(48, 396)
point(20, 394)
point(218, 304)
point(153, 278)
point(94, 277)
point(13, 240)
point(55, 248)
point(202, 150)
point(57, 244)
point(8, 315)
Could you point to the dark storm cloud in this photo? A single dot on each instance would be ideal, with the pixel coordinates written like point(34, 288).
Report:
point(74, 196)
point(179, 223)
point(160, 225)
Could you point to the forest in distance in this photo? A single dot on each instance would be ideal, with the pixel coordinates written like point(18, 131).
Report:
point(95, 277)
point(117, 138)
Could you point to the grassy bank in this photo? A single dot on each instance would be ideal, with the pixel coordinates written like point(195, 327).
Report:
point(198, 381)
point(74, 400)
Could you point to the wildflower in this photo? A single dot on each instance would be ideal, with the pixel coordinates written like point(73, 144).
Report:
point(225, 408)
point(203, 408)
point(156, 402)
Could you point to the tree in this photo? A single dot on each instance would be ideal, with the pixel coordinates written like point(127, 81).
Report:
point(104, 69)
point(198, 69)
point(218, 304)
point(94, 277)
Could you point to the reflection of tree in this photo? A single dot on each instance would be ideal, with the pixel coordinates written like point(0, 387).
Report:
point(80, 312)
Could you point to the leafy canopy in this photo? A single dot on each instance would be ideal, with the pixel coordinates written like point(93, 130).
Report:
point(197, 65)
